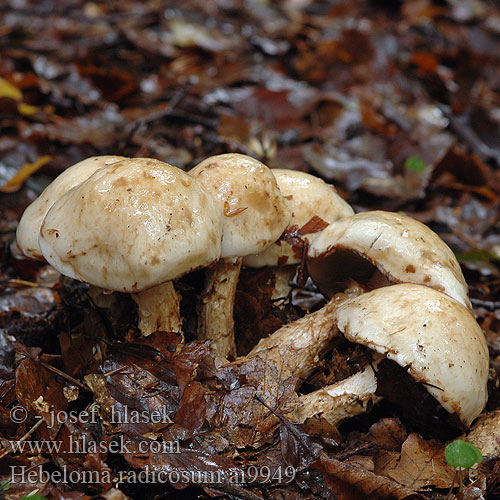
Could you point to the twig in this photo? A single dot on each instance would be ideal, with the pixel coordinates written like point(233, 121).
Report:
point(114, 372)
point(468, 135)
point(288, 425)
point(487, 304)
point(26, 436)
point(65, 375)
point(14, 282)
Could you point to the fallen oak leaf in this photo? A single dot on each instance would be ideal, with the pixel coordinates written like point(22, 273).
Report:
point(421, 464)
point(368, 484)
point(194, 466)
point(38, 390)
point(388, 433)
point(191, 413)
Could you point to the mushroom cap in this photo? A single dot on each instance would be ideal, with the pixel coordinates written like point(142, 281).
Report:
point(29, 225)
point(403, 249)
point(131, 226)
point(252, 208)
point(308, 197)
point(431, 335)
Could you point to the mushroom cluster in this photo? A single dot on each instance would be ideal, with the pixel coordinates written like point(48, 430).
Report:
point(392, 285)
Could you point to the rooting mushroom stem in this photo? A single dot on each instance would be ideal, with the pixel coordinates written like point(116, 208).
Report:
point(159, 309)
point(254, 214)
point(216, 312)
point(296, 347)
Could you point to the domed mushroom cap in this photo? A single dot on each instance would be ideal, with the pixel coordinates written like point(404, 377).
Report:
point(132, 225)
point(431, 335)
point(252, 208)
point(29, 225)
point(403, 249)
point(308, 197)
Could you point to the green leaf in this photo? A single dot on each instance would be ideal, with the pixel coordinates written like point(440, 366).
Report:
point(4, 485)
point(477, 255)
point(415, 164)
point(462, 454)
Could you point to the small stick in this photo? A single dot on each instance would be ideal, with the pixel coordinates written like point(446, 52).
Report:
point(65, 375)
point(26, 436)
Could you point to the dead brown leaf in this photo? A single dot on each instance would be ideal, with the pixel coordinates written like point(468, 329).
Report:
point(388, 433)
point(422, 464)
point(361, 482)
point(485, 433)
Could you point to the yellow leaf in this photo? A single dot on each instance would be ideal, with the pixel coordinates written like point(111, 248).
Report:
point(9, 90)
point(26, 109)
point(28, 169)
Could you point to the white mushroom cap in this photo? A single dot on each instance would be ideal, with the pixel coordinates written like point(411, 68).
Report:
point(308, 197)
point(253, 210)
point(431, 335)
point(29, 225)
point(132, 225)
point(403, 249)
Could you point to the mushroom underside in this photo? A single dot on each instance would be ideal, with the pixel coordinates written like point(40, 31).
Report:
point(380, 382)
point(331, 272)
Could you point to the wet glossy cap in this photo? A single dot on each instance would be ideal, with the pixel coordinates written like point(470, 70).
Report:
point(314, 204)
point(29, 225)
point(431, 335)
point(132, 225)
point(252, 208)
point(403, 249)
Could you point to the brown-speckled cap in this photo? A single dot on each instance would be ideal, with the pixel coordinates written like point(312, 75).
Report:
point(431, 335)
point(403, 249)
point(29, 225)
point(252, 208)
point(131, 226)
point(314, 204)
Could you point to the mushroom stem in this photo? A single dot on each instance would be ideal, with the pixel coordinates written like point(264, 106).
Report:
point(283, 276)
point(216, 316)
point(345, 399)
point(159, 309)
point(297, 346)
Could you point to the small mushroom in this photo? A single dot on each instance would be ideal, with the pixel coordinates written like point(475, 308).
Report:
point(314, 204)
point(432, 336)
point(254, 214)
point(400, 248)
point(131, 226)
point(28, 229)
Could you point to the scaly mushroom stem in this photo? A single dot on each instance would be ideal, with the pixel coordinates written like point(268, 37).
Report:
point(345, 399)
point(216, 315)
point(159, 309)
point(297, 346)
